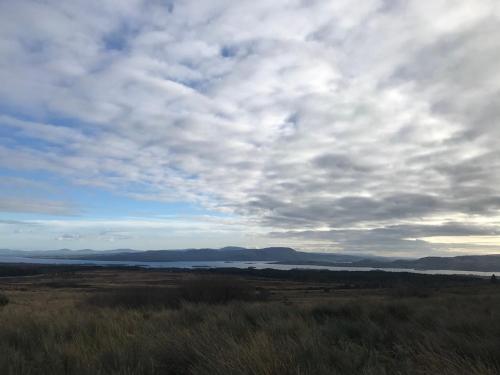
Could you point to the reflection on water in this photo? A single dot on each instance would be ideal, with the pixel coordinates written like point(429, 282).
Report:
point(226, 264)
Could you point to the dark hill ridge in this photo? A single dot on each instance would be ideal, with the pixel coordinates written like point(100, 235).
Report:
point(283, 255)
point(276, 254)
point(484, 263)
point(481, 263)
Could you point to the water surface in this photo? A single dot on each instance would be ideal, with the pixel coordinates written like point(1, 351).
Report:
point(228, 264)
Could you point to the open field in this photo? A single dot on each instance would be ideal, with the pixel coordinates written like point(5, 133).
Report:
point(85, 320)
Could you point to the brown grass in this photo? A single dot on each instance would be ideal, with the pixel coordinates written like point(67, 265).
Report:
point(46, 330)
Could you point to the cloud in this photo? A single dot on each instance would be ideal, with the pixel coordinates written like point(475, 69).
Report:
point(404, 239)
point(36, 206)
point(23, 195)
point(69, 237)
point(139, 233)
point(15, 222)
point(298, 115)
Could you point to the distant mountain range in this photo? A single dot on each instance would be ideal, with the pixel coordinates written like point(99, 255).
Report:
point(280, 255)
point(230, 253)
point(485, 263)
point(270, 254)
point(59, 252)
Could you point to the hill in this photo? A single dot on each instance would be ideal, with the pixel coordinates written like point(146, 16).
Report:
point(227, 254)
point(481, 263)
point(484, 263)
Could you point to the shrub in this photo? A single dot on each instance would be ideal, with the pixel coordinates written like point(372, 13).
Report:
point(218, 290)
point(4, 300)
point(348, 311)
point(211, 290)
point(412, 291)
point(136, 297)
point(64, 284)
point(399, 311)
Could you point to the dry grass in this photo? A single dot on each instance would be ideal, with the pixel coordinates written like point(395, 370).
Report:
point(46, 330)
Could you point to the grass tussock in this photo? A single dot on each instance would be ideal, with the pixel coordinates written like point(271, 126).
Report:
point(255, 322)
point(214, 330)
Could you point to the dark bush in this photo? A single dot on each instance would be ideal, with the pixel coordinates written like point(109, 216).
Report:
point(64, 284)
point(211, 290)
point(412, 291)
point(349, 312)
point(137, 297)
point(399, 311)
point(353, 280)
point(218, 290)
point(4, 300)
point(14, 270)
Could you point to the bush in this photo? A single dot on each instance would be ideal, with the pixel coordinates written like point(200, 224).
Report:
point(412, 291)
point(136, 297)
point(399, 311)
point(217, 290)
point(4, 300)
point(348, 312)
point(64, 284)
point(211, 290)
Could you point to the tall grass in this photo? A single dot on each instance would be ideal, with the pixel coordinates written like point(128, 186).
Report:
point(445, 334)
point(208, 289)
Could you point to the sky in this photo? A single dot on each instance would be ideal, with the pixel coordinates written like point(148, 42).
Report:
point(370, 127)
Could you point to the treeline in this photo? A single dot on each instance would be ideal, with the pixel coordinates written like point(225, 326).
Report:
point(28, 269)
point(349, 279)
point(365, 279)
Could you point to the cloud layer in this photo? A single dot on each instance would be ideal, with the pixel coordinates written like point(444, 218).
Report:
point(362, 127)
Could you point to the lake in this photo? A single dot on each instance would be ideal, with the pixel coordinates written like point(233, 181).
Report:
point(228, 264)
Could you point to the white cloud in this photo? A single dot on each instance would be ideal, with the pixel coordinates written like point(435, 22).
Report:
point(14, 204)
point(292, 114)
point(140, 233)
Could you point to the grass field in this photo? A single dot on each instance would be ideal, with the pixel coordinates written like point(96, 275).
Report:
point(111, 321)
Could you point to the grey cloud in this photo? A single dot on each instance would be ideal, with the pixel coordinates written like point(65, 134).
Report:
point(49, 207)
point(396, 238)
point(17, 222)
point(340, 163)
point(291, 114)
point(69, 237)
point(346, 211)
